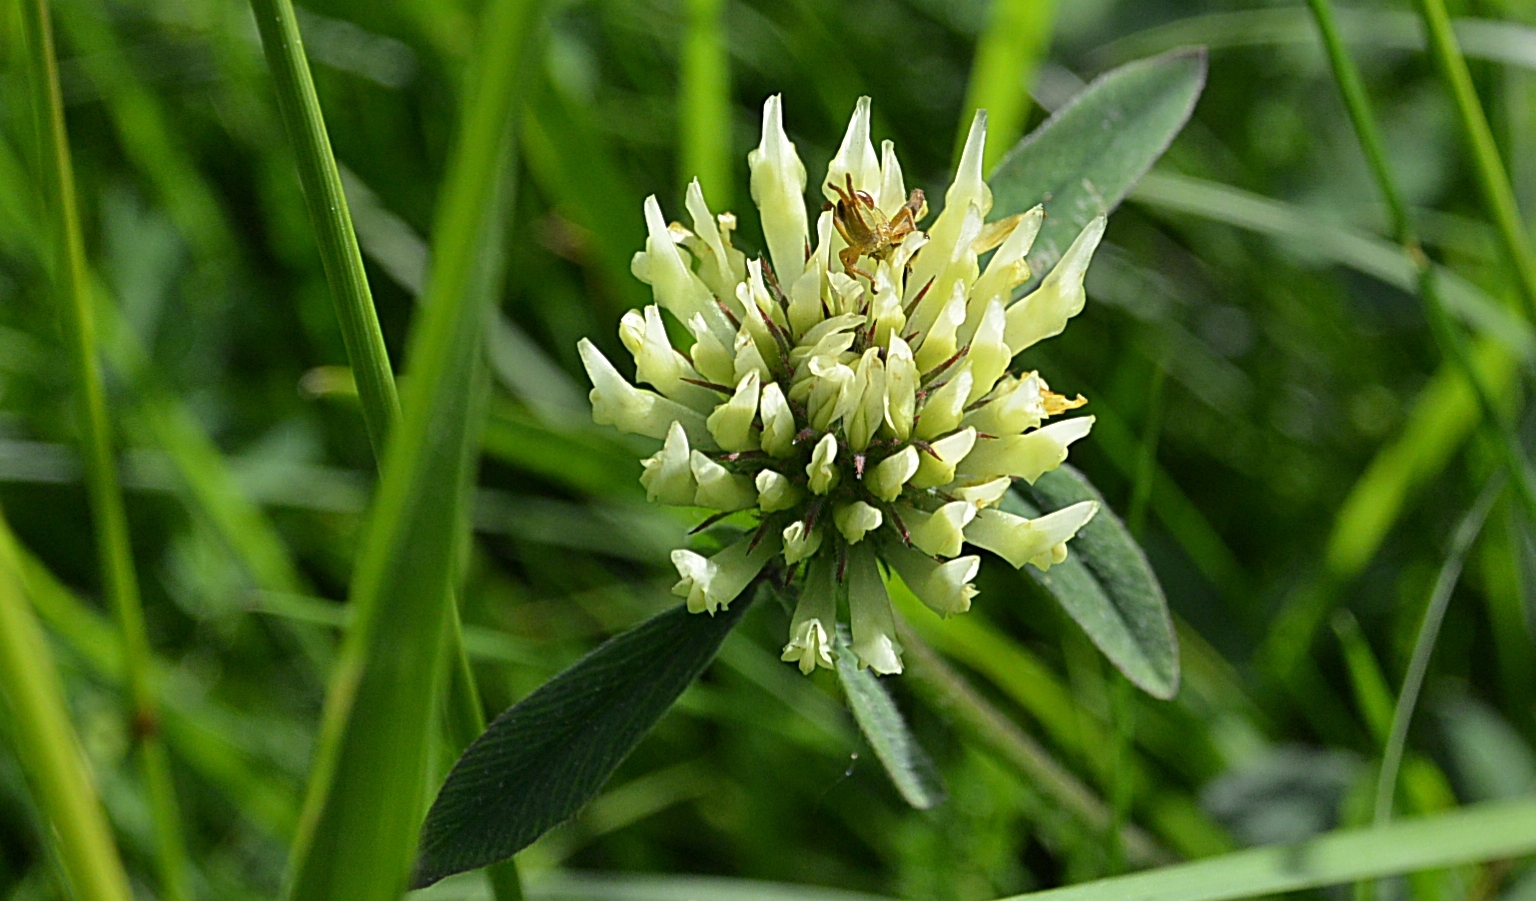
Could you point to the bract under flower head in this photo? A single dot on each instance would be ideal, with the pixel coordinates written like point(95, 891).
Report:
point(853, 397)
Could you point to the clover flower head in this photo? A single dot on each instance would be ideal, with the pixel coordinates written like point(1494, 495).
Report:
point(854, 398)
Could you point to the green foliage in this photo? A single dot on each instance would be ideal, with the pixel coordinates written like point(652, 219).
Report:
point(1311, 447)
point(539, 762)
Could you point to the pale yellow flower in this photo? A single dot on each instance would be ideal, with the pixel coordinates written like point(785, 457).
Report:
point(849, 389)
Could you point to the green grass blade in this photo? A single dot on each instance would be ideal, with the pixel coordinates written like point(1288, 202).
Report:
point(364, 806)
point(332, 218)
point(73, 295)
point(1491, 175)
point(1372, 256)
point(1466, 533)
point(50, 752)
point(1470, 835)
point(704, 103)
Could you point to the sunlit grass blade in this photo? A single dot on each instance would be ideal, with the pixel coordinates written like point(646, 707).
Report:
point(704, 103)
point(72, 293)
point(197, 728)
point(49, 751)
point(1471, 835)
point(364, 807)
point(1016, 40)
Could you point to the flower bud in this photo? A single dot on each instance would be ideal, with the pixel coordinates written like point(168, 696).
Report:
point(673, 284)
point(822, 474)
point(731, 423)
point(856, 519)
point(938, 468)
point(719, 488)
point(778, 422)
point(668, 474)
point(940, 533)
point(855, 158)
point(900, 388)
point(800, 542)
point(886, 478)
point(775, 492)
point(778, 189)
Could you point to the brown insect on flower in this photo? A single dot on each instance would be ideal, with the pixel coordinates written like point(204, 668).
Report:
point(866, 229)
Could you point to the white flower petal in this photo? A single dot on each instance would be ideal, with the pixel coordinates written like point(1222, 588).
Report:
point(776, 492)
point(1019, 540)
point(938, 468)
point(886, 479)
point(719, 488)
point(1026, 456)
point(821, 471)
point(731, 423)
point(940, 533)
point(617, 403)
point(778, 189)
point(869, 613)
point(815, 620)
point(1044, 312)
point(944, 587)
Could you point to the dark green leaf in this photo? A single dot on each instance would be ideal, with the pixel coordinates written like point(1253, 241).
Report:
point(1106, 585)
point(1090, 153)
point(539, 762)
point(886, 731)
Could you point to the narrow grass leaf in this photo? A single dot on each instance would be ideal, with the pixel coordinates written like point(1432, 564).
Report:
point(1106, 585)
point(39, 728)
point(1007, 55)
point(1471, 835)
point(1086, 158)
point(540, 761)
point(886, 730)
point(362, 813)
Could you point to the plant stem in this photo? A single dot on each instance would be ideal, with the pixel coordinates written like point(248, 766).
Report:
point(332, 219)
point(1491, 175)
point(73, 295)
point(949, 692)
point(1424, 645)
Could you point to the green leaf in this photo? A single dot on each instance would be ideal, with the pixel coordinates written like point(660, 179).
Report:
point(1106, 584)
point(1087, 156)
point(886, 731)
point(539, 762)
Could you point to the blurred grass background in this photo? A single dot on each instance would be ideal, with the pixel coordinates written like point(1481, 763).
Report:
point(1273, 418)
